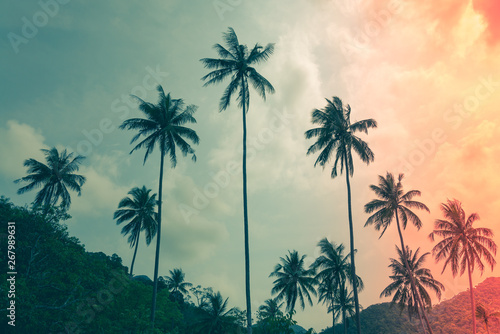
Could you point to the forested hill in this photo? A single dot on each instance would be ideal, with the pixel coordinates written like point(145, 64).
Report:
point(452, 316)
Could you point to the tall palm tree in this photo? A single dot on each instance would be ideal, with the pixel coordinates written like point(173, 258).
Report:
point(337, 136)
point(403, 270)
point(237, 63)
point(394, 203)
point(54, 177)
point(463, 246)
point(333, 271)
point(139, 211)
point(486, 315)
point(215, 318)
point(293, 281)
point(164, 126)
point(176, 282)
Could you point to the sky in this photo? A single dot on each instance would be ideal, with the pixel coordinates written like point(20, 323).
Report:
point(428, 72)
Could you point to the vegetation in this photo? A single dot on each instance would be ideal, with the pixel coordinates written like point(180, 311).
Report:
point(138, 210)
point(463, 246)
point(163, 126)
point(393, 203)
point(293, 281)
point(336, 136)
point(54, 178)
point(237, 62)
point(402, 274)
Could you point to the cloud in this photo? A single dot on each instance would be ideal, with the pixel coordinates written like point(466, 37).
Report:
point(19, 142)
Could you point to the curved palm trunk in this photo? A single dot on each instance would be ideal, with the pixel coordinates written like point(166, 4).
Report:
point(420, 305)
point(158, 238)
point(351, 239)
point(472, 302)
point(245, 217)
point(135, 253)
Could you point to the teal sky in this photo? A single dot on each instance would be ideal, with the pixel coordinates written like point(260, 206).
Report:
point(67, 84)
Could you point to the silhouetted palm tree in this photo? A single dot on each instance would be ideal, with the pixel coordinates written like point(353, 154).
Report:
point(54, 178)
point(336, 137)
point(270, 309)
point(463, 246)
point(402, 273)
point(293, 281)
point(333, 273)
point(486, 315)
point(344, 305)
point(163, 126)
point(139, 211)
point(215, 318)
point(176, 282)
point(393, 203)
point(236, 62)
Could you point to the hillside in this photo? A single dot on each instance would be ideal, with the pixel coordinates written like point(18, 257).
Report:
point(452, 316)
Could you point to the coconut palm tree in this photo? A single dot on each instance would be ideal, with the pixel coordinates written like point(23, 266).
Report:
point(270, 309)
point(333, 274)
point(139, 211)
point(403, 270)
point(215, 318)
point(336, 136)
point(343, 305)
point(237, 63)
point(463, 246)
point(395, 204)
point(293, 281)
point(176, 282)
point(54, 177)
point(486, 315)
point(164, 126)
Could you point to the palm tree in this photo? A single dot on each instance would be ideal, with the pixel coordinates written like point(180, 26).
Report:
point(176, 282)
point(393, 203)
point(215, 318)
point(236, 63)
point(163, 126)
point(270, 309)
point(54, 177)
point(293, 281)
point(139, 211)
point(406, 271)
point(333, 270)
point(344, 305)
point(336, 136)
point(485, 314)
point(463, 246)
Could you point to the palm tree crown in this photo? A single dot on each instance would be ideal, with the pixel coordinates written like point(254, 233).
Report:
point(401, 285)
point(293, 281)
point(236, 63)
point(270, 309)
point(54, 177)
point(139, 211)
point(462, 244)
point(164, 126)
point(215, 318)
point(393, 201)
point(336, 136)
point(484, 313)
point(176, 281)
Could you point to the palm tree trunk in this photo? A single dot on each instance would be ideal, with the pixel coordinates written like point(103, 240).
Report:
point(333, 316)
point(471, 288)
point(351, 239)
point(420, 307)
point(158, 238)
point(245, 214)
point(135, 252)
